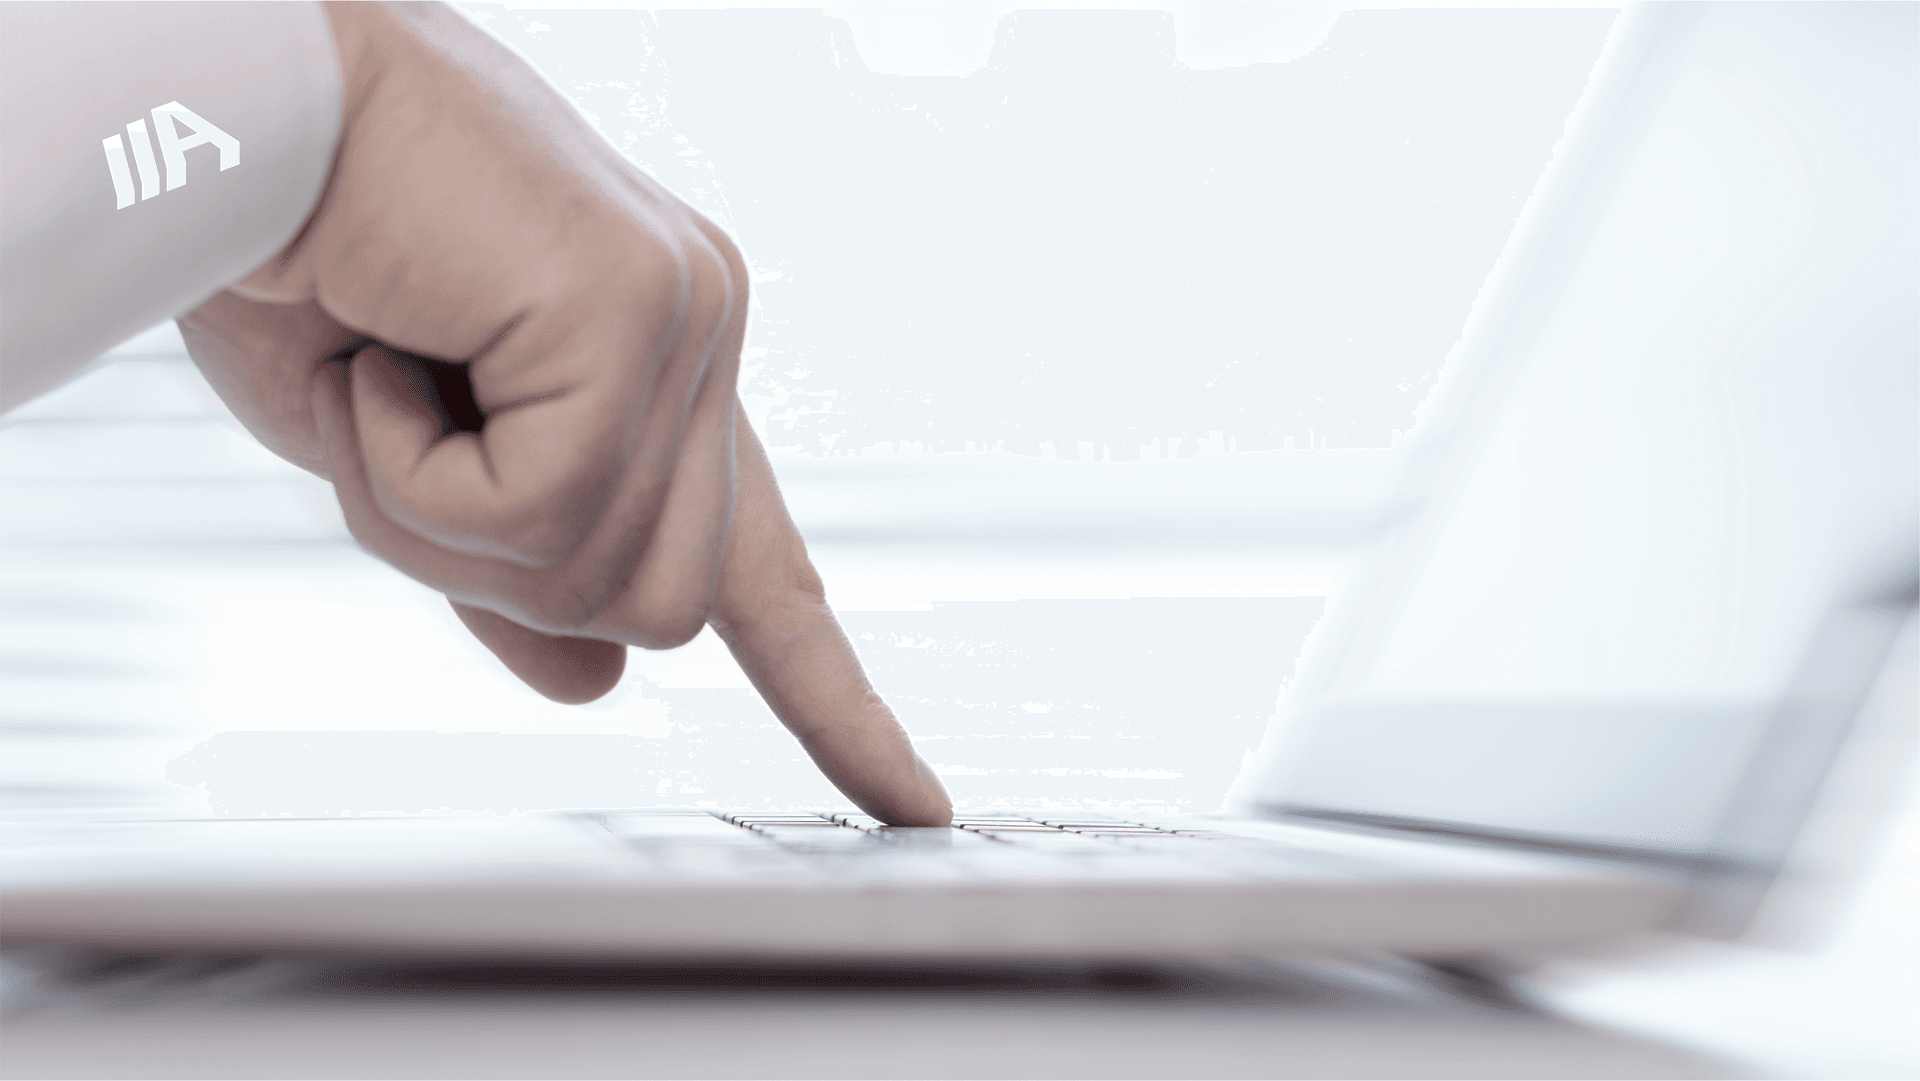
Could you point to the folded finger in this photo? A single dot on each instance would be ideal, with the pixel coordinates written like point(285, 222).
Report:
point(561, 667)
point(565, 669)
point(459, 576)
point(577, 393)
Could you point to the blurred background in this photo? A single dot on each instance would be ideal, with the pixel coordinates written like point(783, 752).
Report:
point(1082, 339)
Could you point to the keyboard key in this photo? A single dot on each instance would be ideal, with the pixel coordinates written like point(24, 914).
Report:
point(662, 825)
point(1051, 839)
point(933, 837)
point(759, 861)
point(814, 840)
point(664, 829)
point(1156, 842)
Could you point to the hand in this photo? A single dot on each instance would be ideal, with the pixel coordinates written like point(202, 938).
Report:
point(563, 467)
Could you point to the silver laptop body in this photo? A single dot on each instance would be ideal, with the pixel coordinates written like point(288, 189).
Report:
point(1656, 539)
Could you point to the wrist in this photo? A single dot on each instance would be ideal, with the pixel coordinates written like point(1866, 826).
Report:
point(362, 31)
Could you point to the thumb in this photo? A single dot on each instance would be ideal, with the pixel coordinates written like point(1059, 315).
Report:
point(569, 670)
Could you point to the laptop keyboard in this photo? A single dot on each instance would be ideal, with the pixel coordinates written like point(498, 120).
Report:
point(758, 844)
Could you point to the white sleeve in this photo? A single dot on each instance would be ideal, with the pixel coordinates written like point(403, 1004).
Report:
point(155, 154)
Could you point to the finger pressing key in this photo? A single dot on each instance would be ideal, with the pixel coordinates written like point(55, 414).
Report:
point(771, 610)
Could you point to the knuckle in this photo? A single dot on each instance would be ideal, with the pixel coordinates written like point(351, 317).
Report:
point(717, 240)
point(805, 582)
point(555, 608)
point(671, 632)
point(537, 532)
point(662, 623)
point(710, 276)
point(536, 536)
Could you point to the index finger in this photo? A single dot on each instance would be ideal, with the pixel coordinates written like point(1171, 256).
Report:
point(770, 608)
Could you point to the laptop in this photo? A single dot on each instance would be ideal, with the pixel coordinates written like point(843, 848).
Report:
point(1654, 543)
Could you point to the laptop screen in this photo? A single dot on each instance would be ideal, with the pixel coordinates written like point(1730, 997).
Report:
point(1663, 515)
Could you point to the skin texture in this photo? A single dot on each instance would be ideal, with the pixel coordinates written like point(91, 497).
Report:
point(579, 479)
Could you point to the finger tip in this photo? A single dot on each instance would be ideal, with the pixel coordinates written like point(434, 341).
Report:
point(578, 694)
point(588, 671)
point(928, 812)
